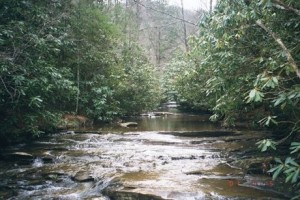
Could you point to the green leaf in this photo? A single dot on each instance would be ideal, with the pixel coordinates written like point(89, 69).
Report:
point(289, 177)
point(295, 147)
point(252, 93)
point(279, 100)
point(267, 120)
point(289, 170)
point(265, 147)
point(255, 96)
point(292, 161)
point(272, 169)
point(277, 172)
point(275, 80)
point(278, 160)
point(36, 101)
point(265, 144)
point(258, 96)
point(283, 105)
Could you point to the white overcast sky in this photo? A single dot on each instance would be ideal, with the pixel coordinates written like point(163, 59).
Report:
point(192, 4)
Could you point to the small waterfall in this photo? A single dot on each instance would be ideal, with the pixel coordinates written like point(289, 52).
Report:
point(38, 162)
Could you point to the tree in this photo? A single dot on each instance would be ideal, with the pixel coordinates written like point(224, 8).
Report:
point(33, 79)
point(245, 63)
point(184, 27)
point(65, 57)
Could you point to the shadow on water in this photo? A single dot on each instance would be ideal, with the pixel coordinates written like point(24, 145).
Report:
point(167, 157)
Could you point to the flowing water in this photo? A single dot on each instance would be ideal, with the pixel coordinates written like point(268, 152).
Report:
point(170, 157)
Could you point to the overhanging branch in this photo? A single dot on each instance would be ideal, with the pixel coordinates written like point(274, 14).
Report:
point(278, 40)
point(287, 7)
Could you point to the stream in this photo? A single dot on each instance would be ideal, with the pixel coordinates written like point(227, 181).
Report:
point(169, 157)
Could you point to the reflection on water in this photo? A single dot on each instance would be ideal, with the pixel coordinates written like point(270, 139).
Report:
point(166, 123)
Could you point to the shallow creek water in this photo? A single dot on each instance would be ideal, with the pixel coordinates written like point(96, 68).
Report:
point(171, 157)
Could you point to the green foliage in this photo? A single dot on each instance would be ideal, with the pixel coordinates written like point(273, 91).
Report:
point(265, 144)
point(255, 95)
point(244, 70)
point(139, 89)
point(295, 148)
point(65, 56)
point(238, 68)
point(268, 120)
point(290, 168)
point(32, 80)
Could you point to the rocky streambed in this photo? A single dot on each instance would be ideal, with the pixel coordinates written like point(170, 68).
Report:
point(173, 157)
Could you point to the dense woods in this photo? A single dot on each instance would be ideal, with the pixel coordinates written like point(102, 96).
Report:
point(68, 57)
point(239, 61)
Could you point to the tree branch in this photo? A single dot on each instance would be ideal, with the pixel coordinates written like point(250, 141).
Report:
point(158, 27)
point(289, 56)
point(165, 13)
point(290, 134)
point(287, 7)
point(10, 94)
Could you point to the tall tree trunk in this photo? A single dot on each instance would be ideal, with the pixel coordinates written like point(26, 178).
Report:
point(210, 5)
point(158, 53)
point(109, 3)
point(184, 27)
point(138, 13)
point(126, 29)
point(78, 92)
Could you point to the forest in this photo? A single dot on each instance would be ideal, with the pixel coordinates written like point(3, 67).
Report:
point(238, 61)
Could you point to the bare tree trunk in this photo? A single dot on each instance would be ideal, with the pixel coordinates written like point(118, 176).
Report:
point(138, 13)
point(184, 27)
point(109, 3)
point(210, 5)
point(78, 92)
point(158, 55)
point(126, 31)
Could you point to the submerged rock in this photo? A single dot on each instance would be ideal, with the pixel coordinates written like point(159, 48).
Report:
point(21, 157)
point(196, 172)
point(130, 195)
point(128, 124)
point(83, 176)
point(259, 168)
point(98, 198)
point(47, 159)
point(258, 165)
point(197, 134)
